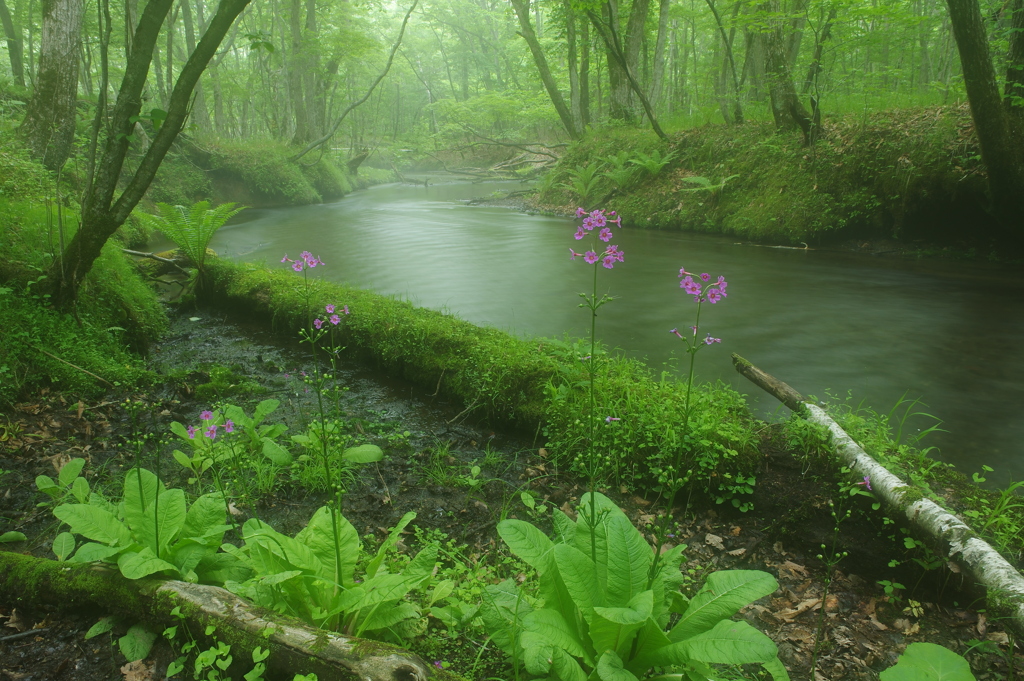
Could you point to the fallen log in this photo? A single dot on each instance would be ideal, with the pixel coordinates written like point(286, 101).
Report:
point(1003, 584)
point(294, 646)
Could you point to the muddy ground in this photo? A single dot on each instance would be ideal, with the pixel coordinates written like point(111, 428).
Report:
point(206, 358)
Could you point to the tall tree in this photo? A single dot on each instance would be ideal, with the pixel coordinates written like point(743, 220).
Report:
point(15, 49)
point(997, 121)
point(102, 214)
point(49, 125)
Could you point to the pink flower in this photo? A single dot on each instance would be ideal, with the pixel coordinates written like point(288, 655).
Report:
point(598, 218)
point(714, 295)
point(866, 483)
point(609, 261)
point(691, 287)
point(614, 250)
point(206, 415)
point(709, 340)
point(705, 277)
point(318, 323)
point(609, 419)
point(297, 266)
point(330, 309)
point(335, 319)
point(590, 257)
point(580, 212)
point(286, 258)
point(683, 272)
point(211, 432)
point(579, 234)
point(345, 309)
point(676, 332)
point(573, 254)
point(229, 426)
point(605, 235)
point(191, 432)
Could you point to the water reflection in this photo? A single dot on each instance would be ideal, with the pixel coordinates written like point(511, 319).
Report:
point(820, 321)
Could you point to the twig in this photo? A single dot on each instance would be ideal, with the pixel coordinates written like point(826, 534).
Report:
point(438, 388)
point(50, 354)
point(154, 256)
point(464, 411)
point(23, 634)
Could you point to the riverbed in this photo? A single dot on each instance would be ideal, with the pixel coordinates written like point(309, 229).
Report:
point(828, 323)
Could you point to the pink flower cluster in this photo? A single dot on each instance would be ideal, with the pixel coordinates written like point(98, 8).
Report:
point(711, 293)
point(307, 259)
point(210, 428)
point(334, 318)
point(598, 220)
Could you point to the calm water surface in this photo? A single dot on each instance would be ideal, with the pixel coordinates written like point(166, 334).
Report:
point(943, 332)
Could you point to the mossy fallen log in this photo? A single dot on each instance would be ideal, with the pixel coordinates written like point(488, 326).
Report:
point(295, 647)
point(1003, 584)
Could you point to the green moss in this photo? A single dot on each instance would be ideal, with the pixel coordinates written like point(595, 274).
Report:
point(893, 174)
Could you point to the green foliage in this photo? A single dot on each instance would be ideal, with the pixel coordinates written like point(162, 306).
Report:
point(928, 662)
point(583, 181)
point(152, 531)
point(652, 163)
point(191, 229)
point(300, 576)
point(264, 170)
point(69, 483)
point(609, 608)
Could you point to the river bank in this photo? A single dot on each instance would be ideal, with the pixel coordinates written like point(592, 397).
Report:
point(430, 451)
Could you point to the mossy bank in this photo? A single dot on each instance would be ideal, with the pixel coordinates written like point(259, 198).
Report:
point(908, 175)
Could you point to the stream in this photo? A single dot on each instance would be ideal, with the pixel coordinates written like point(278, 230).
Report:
point(881, 329)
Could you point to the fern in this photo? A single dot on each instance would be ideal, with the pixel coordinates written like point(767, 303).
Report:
point(191, 228)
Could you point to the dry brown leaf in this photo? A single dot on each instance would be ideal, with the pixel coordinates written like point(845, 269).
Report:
point(714, 540)
point(16, 621)
point(138, 671)
point(981, 626)
point(735, 531)
point(736, 552)
point(999, 637)
point(793, 570)
point(789, 614)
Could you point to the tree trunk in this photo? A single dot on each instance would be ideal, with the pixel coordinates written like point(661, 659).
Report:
point(737, 109)
point(522, 8)
point(585, 73)
point(658, 80)
point(296, 74)
point(1002, 146)
point(787, 110)
point(101, 214)
point(958, 542)
point(819, 46)
point(15, 46)
point(293, 645)
point(200, 114)
point(575, 107)
point(49, 125)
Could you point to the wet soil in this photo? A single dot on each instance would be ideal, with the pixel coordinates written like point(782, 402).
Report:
point(430, 453)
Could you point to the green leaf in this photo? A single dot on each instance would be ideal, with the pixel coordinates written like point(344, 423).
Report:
point(502, 610)
point(70, 471)
point(392, 540)
point(11, 537)
point(276, 453)
point(46, 484)
point(537, 653)
point(64, 545)
point(318, 535)
point(140, 489)
point(387, 616)
point(80, 489)
point(94, 523)
point(614, 628)
point(580, 578)
point(363, 454)
point(565, 667)
point(263, 410)
point(724, 593)
point(928, 662)
point(91, 552)
point(565, 527)
point(136, 644)
point(527, 542)
point(165, 516)
point(549, 625)
point(778, 670)
point(103, 626)
point(629, 561)
point(727, 643)
point(609, 668)
point(205, 519)
point(136, 565)
point(441, 591)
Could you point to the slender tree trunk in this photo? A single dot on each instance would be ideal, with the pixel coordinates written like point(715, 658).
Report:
point(296, 74)
point(657, 83)
point(15, 46)
point(1002, 147)
point(101, 213)
point(49, 125)
point(585, 73)
point(737, 109)
point(200, 114)
point(1014, 92)
point(522, 8)
point(819, 47)
point(574, 76)
point(787, 110)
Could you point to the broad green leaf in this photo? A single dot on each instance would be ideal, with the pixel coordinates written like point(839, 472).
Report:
point(728, 642)
point(64, 545)
point(140, 489)
point(629, 561)
point(186, 554)
point(385, 616)
point(70, 471)
point(80, 488)
point(928, 662)
point(205, 519)
point(651, 639)
point(502, 610)
point(614, 628)
point(363, 454)
point(527, 542)
point(565, 667)
point(318, 535)
point(103, 626)
point(11, 537)
point(163, 520)
point(136, 644)
point(263, 410)
point(537, 653)
point(280, 577)
point(44, 483)
point(94, 523)
point(550, 626)
point(276, 453)
point(180, 430)
point(578, 574)
point(565, 528)
point(218, 568)
point(143, 564)
point(609, 668)
point(90, 552)
point(441, 591)
point(605, 509)
point(778, 670)
point(723, 594)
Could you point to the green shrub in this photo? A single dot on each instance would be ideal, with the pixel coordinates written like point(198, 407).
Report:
point(264, 168)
